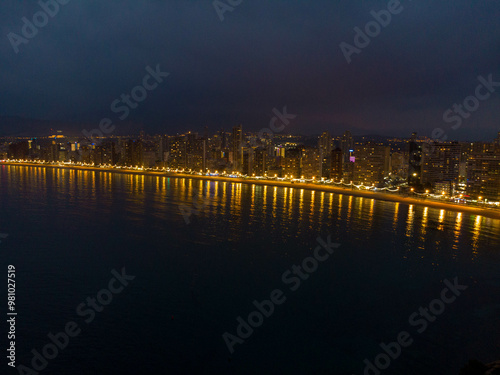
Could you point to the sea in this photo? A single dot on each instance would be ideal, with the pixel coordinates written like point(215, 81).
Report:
point(138, 274)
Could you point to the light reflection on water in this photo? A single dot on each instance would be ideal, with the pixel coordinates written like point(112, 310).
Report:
point(255, 206)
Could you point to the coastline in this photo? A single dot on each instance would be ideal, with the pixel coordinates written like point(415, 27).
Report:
point(490, 213)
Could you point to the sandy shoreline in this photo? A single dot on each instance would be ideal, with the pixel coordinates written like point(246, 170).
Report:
point(491, 213)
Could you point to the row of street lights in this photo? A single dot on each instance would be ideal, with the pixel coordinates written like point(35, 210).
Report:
point(239, 175)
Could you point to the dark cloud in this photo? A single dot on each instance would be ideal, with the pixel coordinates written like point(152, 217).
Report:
point(264, 54)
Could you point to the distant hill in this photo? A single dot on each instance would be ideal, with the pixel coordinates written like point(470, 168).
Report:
point(18, 126)
point(23, 127)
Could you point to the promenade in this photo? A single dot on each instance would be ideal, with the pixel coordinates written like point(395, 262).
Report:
point(486, 212)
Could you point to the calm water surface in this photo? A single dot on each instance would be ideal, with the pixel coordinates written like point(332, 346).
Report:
point(68, 229)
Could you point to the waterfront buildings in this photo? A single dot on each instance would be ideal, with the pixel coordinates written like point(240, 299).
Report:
point(483, 171)
point(372, 163)
point(237, 148)
point(441, 162)
point(448, 168)
point(415, 162)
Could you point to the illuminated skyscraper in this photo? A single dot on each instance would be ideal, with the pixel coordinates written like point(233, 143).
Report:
point(311, 162)
point(237, 147)
point(260, 162)
point(177, 152)
point(325, 143)
point(347, 144)
point(415, 161)
point(483, 171)
point(372, 163)
point(337, 164)
point(442, 164)
point(291, 163)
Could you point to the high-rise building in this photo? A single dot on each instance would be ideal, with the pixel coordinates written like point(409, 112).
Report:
point(337, 163)
point(347, 144)
point(18, 150)
point(399, 164)
point(247, 165)
point(133, 153)
point(85, 155)
point(311, 165)
point(195, 152)
point(105, 153)
point(441, 163)
point(325, 154)
point(414, 161)
point(177, 152)
point(54, 151)
point(325, 143)
point(237, 148)
point(483, 171)
point(260, 160)
point(372, 163)
point(291, 162)
point(223, 139)
point(163, 148)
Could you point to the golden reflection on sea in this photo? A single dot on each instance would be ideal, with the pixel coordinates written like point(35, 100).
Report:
point(475, 235)
point(248, 206)
point(456, 234)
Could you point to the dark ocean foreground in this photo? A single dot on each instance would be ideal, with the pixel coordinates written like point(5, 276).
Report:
point(70, 232)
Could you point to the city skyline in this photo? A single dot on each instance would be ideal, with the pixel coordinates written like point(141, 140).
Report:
point(459, 171)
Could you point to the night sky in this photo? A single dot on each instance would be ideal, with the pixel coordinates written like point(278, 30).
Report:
point(263, 55)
